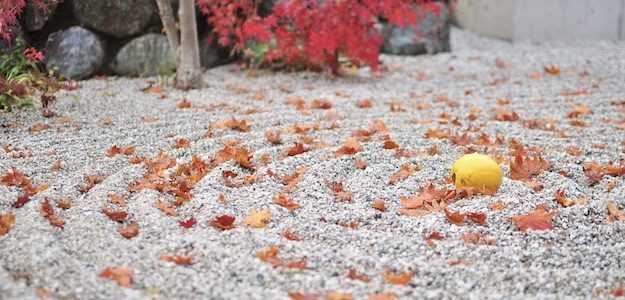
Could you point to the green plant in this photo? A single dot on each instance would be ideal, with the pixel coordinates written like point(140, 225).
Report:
point(165, 70)
point(21, 78)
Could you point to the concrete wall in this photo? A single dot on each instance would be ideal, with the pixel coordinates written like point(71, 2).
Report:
point(544, 19)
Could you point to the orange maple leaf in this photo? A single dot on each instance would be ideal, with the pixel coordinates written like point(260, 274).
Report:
point(129, 231)
point(122, 275)
point(224, 222)
point(284, 201)
point(397, 278)
point(351, 146)
point(6, 221)
point(524, 168)
point(183, 260)
point(538, 219)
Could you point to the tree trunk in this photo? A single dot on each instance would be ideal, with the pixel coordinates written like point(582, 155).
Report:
point(169, 23)
point(189, 70)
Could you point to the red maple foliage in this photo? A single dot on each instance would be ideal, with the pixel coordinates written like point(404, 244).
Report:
point(308, 33)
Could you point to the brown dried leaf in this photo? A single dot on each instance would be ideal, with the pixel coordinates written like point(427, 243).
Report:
point(47, 211)
point(129, 231)
point(397, 278)
point(224, 222)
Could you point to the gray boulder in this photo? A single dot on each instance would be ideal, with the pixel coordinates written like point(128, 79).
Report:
point(76, 53)
point(119, 18)
point(147, 55)
point(431, 35)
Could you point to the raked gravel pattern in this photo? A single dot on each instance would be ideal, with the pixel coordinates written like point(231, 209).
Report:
point(584, 257)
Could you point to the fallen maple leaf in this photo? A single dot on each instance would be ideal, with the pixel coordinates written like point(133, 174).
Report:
point(258, 219)
point(384, 296)
point(359, 164)
point(183, 260)
point(379, 204)
point(290, 235)
point(397, 278)
point(297, 149)
point(456, 218)
point(22, 199)
point(273, 138)
point(284, 201)
point(561, 198)
point(339, 192)
point(188, 223)
point(303, 296)
point(167, 209)
point(129, 231)
point(477, 238)
point(118, 216)
point(388, 144)
point(355, 276)
point(117, 199)
point(363, 103)
point(477, 217)
point(351, 146)
point(538, 219)
point(115, 150)
point(47, 211)
point(56, 166)
point(614, 213)
point(334, 295)
point(552, 70)
point(182, 143)
point(64, 204)
point(405, 172)
point(224, 222)
point(122, 275)
point(184, 103)
point(505, 115)
point(497, 206)
point(38, 127)
point(6, 221)
point(524, 168)
point(270, 255)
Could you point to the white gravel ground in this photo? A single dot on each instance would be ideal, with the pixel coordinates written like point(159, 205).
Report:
point(583, 257)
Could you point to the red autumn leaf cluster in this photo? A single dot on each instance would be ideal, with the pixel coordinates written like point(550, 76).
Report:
point(430, 199)
point(18, 179)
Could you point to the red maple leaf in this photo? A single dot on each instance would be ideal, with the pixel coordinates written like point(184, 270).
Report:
point(188, 223)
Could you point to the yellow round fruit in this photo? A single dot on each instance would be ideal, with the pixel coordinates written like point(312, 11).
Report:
point(477, 171)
